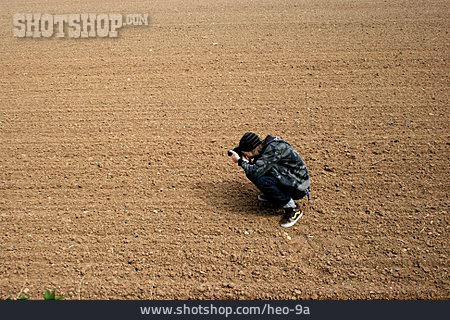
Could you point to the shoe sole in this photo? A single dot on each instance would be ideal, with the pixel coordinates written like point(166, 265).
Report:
point(291, 223)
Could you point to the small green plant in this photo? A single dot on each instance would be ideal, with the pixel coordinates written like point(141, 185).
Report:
point(51, 295)
point(48, 295)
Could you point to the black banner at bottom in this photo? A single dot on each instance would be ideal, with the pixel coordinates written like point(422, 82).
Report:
point(225, 309)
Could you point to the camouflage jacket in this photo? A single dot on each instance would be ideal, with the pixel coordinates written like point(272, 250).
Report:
point(278, 159)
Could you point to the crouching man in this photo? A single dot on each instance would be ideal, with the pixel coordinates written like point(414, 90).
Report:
point(277, 170)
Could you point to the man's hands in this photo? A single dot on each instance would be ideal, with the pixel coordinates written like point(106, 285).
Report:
point(235, 157)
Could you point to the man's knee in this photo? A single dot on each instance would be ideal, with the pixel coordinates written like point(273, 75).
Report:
point(266, 181)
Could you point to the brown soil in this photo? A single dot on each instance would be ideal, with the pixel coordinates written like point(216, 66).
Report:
point(114, 178)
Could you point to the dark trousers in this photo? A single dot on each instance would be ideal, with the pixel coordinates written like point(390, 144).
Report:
point(275, 192)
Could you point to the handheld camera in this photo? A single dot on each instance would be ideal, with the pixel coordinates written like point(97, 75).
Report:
point(237, 150)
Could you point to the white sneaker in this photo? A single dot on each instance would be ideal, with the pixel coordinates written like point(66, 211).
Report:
point(291, 216)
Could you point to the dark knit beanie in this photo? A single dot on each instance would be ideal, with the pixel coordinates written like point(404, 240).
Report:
point(249, 141)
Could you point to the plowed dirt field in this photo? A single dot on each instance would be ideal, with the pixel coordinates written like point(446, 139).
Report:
point(114, 177)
